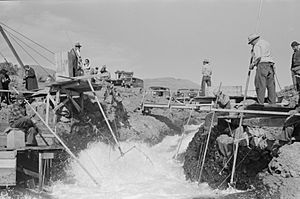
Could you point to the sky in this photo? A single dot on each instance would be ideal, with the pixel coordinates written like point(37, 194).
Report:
point(158, 38)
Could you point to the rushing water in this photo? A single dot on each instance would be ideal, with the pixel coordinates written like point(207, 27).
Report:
point(144, 172)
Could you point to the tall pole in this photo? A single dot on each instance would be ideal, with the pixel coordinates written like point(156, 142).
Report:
point(11, 46)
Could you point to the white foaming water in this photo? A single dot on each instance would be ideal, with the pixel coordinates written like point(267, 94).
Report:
point(133, 176)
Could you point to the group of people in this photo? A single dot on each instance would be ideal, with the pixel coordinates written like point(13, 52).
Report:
point(81, 68)
point(29, 80)
point(265, 71)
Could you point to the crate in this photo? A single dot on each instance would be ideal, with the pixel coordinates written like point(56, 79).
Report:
point(15, 139)
point(8, 164)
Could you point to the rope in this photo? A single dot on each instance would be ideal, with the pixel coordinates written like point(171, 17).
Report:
point(259, 16)
point(236, 168)
point(182, 136)
point(30, 47)
point(27, 38)
point(30, 55)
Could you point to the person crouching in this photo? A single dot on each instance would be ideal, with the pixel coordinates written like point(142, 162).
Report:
point(19, 119)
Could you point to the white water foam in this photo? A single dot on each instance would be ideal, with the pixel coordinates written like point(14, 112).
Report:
point(133, 176)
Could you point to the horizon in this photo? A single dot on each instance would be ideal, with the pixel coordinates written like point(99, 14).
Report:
point(161, 38)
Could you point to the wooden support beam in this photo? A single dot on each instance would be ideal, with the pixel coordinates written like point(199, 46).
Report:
point(56, 102)
point(11, 47)
point(73, 93)
point(61, 104)
point(40, 171)
point(75, 103)
point(82, 102)
point(250, 112)
point(47, 108)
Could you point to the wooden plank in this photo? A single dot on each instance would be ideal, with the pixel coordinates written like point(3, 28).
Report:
point(62, 65)
point(40, 171)
point(8, 177)
point(61, 104)
point(15, 139)
point(75, 104)
point(47, 156)
point(47, 108)
point(8, 154)
point(8, 163)
point(56, 102)
point(3, 140)
point(30, 173)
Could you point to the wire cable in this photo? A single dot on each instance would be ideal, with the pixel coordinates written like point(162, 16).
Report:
point(3, 57)
point(27, 38)
point(259, 16)
point(30, 47)
point(30, 55)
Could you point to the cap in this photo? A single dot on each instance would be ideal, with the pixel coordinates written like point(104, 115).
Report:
point(252, 37)
point(294, 43)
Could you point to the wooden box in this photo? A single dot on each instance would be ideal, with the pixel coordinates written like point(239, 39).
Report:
point(8, 164)
point(63, 66)
point(15, 139)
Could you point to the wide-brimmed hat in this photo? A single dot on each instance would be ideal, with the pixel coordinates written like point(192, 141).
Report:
point(252, 37)
point(77, 44)
point(294, 43)
point(206, 61)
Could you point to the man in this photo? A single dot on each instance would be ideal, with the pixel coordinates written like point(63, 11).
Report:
point(206, 76)
point(76, 60)
point(295, 66)
point(30, 78)
point(19, 119)
point(5, 80)
point(261, 58)
point(104, 73)
point(87, 67)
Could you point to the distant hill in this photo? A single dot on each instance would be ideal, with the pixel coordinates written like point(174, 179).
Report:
point(170, 82)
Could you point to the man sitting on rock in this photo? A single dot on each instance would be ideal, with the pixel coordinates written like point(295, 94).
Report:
point(19, 119)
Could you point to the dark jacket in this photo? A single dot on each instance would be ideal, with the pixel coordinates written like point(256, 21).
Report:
point(5, 81)
point(296, 59)
point(30, 79)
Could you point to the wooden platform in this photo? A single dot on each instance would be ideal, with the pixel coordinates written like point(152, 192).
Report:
point(260, 120)
point(209, 99)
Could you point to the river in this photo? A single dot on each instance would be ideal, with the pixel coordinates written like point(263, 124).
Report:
point(143, 173)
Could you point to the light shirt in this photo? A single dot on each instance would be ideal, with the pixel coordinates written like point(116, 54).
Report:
point(207, 70)
point(262, 49)
point(86, 69)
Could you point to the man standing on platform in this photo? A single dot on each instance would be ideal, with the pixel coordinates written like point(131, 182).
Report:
point(295, 66)
point(76, 60)
point(206, 77)
point(261, 58)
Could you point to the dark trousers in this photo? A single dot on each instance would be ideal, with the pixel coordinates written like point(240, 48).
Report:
point(5, 97)
point(264, 79)
point(26, 125)
point(296, 79)
point(206, 80)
